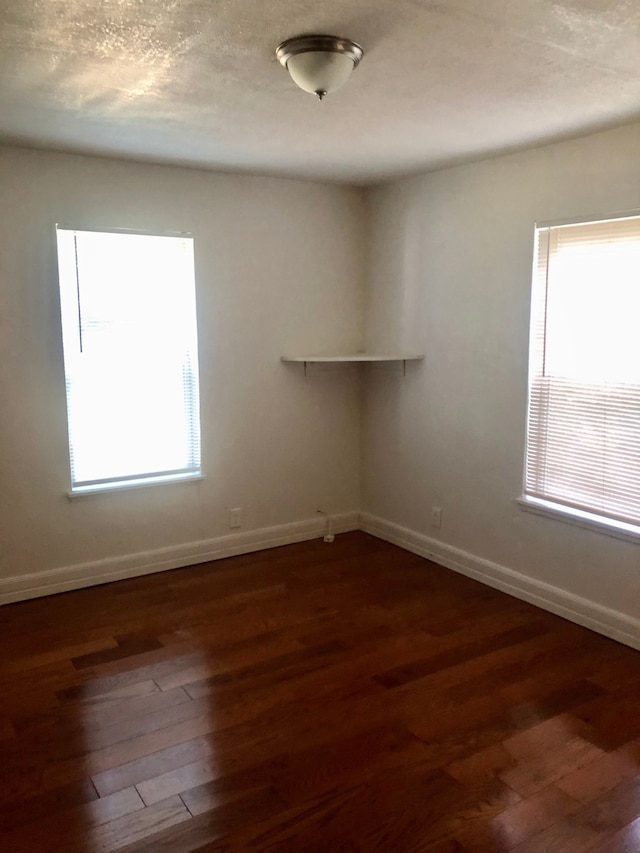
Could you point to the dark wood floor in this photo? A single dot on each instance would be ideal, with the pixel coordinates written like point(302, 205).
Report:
point(313, 699)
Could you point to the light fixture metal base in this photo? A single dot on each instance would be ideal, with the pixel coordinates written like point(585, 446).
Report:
point(310, 43)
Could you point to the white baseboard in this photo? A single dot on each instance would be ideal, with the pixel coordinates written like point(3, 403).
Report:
point(584, 612)
point(38, 584)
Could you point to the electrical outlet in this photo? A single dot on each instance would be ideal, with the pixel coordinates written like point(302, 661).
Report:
point(235, 517)
point(436, 516)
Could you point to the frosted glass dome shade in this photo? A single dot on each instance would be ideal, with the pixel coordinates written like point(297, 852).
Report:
point(320, 71)
point(319, 64)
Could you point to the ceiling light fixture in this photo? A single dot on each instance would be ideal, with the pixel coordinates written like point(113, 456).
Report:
point(319, 64)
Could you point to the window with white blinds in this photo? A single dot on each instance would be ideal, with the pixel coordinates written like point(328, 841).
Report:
point(583, 441)
point(130, 356)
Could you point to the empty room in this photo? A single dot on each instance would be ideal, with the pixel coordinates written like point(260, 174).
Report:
point(320, 426)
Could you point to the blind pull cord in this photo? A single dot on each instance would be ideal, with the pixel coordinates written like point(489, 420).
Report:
point(75, 245)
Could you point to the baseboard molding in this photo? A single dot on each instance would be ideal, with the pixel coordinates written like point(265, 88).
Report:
point(584, 612)
point(611, 623)
point(34, 585)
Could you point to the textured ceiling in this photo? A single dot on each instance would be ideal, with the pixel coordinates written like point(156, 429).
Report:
point(196, 81)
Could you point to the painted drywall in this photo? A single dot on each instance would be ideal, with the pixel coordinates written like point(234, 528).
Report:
point(279, 270)
point(449, 274)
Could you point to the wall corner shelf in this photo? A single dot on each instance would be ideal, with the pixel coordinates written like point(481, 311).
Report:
point(353, 358)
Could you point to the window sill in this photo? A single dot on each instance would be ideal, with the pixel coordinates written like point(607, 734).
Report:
point(580, 518)
point(93, 491)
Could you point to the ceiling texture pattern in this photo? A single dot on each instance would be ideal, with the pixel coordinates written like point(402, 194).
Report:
point(196, 82)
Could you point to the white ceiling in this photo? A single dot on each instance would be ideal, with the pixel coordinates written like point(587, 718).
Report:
point(196, 81)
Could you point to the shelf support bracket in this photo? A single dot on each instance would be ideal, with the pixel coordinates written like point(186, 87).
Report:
point(305, 370)
point(404, 367)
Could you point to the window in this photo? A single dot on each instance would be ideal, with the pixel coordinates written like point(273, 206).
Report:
point(130, 357)
point(583, 442)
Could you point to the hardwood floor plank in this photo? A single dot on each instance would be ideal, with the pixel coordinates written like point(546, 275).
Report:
point(490, 720)
point(24, 661)
point(23, 810)
point(153, 764)
point(139, 824)
point(214, 796)
point(626, 840)
point(149, 664)
point(105, 723)
point(421, 668)
point(110, 757)
point(128, 671)
point(546, 753)
point(518, 822)
point(177, 781)
point(124, 649)
point(100, 692)
point(592, 825)
point(211, 824)
point(589, 782)
point(280, 667)
point(79, 828)
point(615, 717)
point(257, 649)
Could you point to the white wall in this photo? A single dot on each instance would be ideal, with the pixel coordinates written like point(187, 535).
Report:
point(450, 274)
point(279, 269)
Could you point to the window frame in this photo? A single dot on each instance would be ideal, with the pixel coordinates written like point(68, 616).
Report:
point(137, 481)
point(575, 516)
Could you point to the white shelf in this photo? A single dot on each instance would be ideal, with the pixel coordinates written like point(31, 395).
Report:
point(352, 357)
